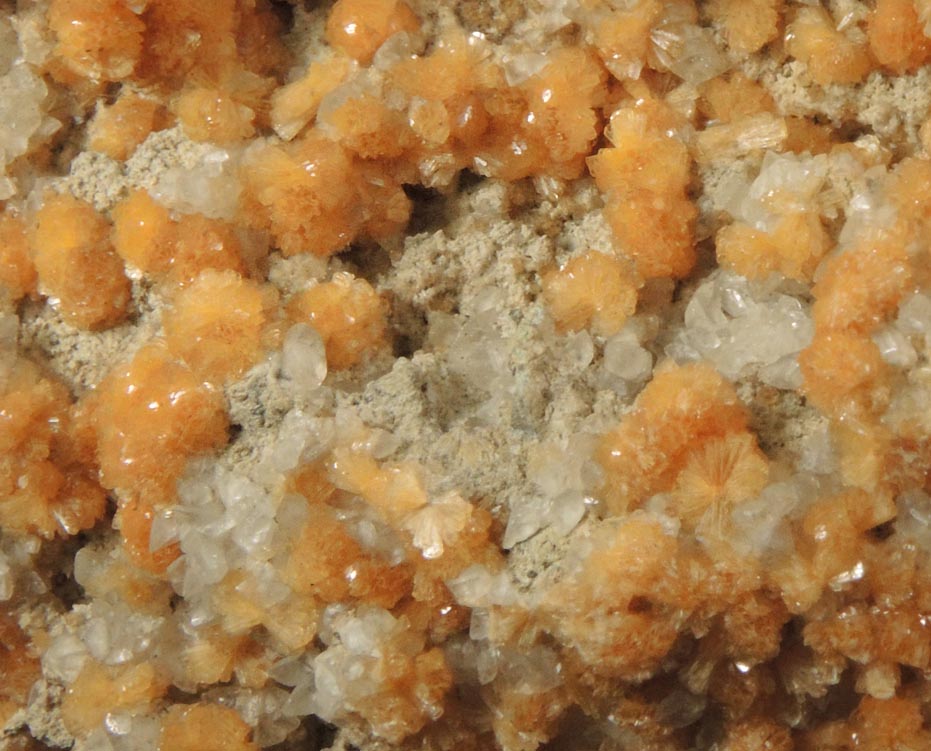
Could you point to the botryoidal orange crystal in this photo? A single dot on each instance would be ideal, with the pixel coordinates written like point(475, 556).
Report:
point(647, 207)
point(76, 264)
point(349, 316)
point(215, 325)
point(150, 415)
point(117, 129)
point(177, 249)
point(48, 483)
point(594, 290)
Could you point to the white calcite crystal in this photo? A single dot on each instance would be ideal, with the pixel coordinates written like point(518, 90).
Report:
point(626, 364)
point(745, 329)
point(480, 355)
point(763, 525)
point(210, 186)
point(785, 182)
point(115, 634)
point(895, 347)
point(303, 358)
point(688, 50)
point(23, 118)
point(565, 477)
point(477, 587)
point(302, 437)
point(64, 658)
point(914, 519)
point(915, 315)
point(367, 650)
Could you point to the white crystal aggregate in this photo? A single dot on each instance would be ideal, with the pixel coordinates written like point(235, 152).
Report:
point(210, 186)
point(16, 562)
point(115, 634)
point(565, 478)
point(480, 355)
point(24, 96)
point(64, 658)
point(785, 182)
point(688, 50)
point(353, 666)
point(626, 364)
point(915, 315)
point(23, 119)
point(763, 526)
point(895, 347)
point(914, 517)
point(745, 329)
point(303, 358)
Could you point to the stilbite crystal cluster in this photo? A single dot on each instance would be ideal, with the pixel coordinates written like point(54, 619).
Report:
point(443, 374)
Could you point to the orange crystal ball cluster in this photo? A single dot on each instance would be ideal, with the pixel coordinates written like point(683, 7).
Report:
point(667, 628)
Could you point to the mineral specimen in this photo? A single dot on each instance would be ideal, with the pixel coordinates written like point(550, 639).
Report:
point(414, 374)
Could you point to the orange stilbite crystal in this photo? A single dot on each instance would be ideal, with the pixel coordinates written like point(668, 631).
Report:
point(717, 566)
point(99, 40)
point(216, 324)
point(594, 290)
point(371, 129)
point(76, 263)
point(349, 316)
point(305, 194)
point(794, 248)
point(756, 734)
point(329, 564)
point(896, 36)
point(141, 228)
point(212, 656)
point(748, 24)
point(734, 98)
point(145, 235)
point(601, 619)
point(563, 101)
point(151, 414)
point(717, 476)
point(212, 115)
point(644, 176)
point(100, 689)
point(210, 41)
point(17, 271)
point(45, 487)
point(201, 243)
point(831, 56)
point(295, 105)
point(845, 371)
point(360, 27)
point(413, 694)
point(394, 491)
point(681, 406)
point(622, 34)
point(119, 128)
point(204, 727)
point(861, 288)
